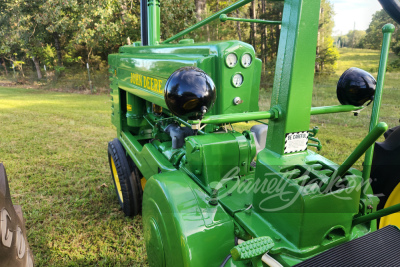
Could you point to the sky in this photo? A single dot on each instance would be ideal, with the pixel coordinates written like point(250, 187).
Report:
point(349, 12)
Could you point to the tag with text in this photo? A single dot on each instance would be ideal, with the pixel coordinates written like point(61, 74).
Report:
point(296, 142)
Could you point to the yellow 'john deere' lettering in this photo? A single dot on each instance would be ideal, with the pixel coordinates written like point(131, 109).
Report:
point(149, 83)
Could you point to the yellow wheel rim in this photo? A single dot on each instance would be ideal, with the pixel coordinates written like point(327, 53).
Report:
point(116, 180)
point(143, 182)
point(392, 219)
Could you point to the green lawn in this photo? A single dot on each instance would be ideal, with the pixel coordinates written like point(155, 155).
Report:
point(341, 133)
point(54, 147)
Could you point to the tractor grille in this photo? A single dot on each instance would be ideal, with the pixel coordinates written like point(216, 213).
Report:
point(379, 248)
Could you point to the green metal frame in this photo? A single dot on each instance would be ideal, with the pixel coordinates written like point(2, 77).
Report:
point(387, 35)
point(224, 18)
point(154, 22)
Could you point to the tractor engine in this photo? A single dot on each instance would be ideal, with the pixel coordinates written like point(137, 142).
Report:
point(143, 73)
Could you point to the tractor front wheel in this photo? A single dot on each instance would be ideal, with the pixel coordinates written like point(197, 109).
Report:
point(126, 179)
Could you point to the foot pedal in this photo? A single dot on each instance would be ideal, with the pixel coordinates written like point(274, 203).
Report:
point(252, 248)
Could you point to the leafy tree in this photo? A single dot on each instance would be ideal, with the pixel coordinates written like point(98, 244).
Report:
point(352, 39)
point(327, 53)
point(269, 35)
point(58, 18)
point(373, 38)
point(177, 15)
point(328, 56)
point(355, 37)
point(27, 38)
point(12, 20)
point(342, 41)
point(65, 33)
point(103, 26)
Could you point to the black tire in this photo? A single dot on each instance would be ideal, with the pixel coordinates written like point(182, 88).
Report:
point(126, 178)
point(385, 171)
point(135, 173)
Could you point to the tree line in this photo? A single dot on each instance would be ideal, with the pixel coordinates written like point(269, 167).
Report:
point(70, 33)
point(372, 37)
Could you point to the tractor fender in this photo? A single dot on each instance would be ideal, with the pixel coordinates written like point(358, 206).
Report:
point(180, 227)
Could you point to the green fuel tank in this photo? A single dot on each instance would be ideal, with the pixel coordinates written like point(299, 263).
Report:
point(144, 70)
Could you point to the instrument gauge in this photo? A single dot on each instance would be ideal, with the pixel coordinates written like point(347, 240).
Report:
point(231, 60)
point(246, 60)
point(237, 80)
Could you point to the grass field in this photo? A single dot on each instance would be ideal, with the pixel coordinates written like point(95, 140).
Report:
point(54, 147)
point(340, 133)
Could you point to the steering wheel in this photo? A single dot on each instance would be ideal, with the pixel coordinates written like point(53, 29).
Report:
point(392, 7)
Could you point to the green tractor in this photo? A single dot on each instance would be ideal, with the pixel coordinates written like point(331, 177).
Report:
point(212, 196)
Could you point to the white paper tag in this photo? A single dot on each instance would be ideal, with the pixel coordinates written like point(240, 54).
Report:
point(295, 142)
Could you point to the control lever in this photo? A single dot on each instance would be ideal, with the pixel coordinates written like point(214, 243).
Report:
point(368, 141)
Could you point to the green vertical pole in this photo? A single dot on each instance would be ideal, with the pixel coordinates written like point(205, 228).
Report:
point(387, 30)
point(294, 74)
point(154, 21)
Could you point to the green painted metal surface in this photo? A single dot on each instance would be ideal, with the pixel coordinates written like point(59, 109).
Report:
point(273, 114)
point(154, 22)
point(224, 18)
point(294, 72)
point(377, 214)
point(305, 214)
point(334, 109)
point(387, 30)
point(235, 152)
point(252, 248)
point(200, 196)
point(189, 231)
point(238, 117)
point(145, 76)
